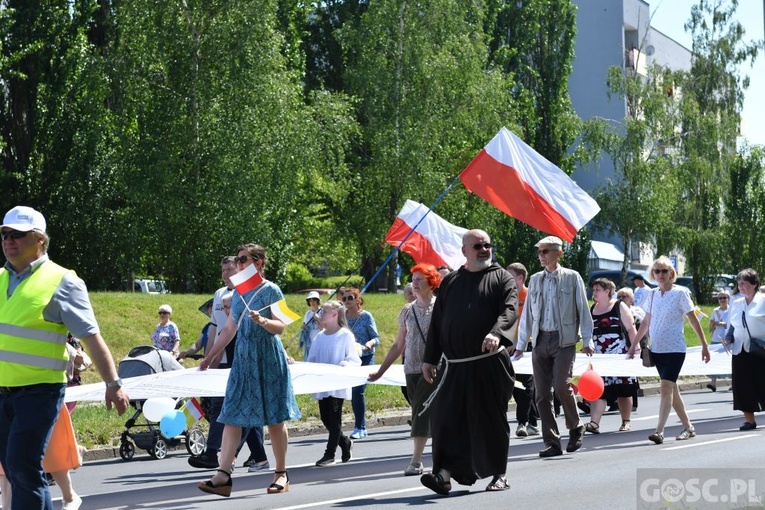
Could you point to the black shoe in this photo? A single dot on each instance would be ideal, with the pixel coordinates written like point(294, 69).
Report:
point(575, 439)
point(551, 451)
point(208, 460)
point(748, 425)
point(712, 387)
point(326, 460)
point(436, 483)
point(346, 445)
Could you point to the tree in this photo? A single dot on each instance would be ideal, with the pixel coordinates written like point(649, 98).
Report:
point(428, 101)
point(532, 41)
point(711, 101)
point(637, 202)
point(219, 141)
point(744, 225)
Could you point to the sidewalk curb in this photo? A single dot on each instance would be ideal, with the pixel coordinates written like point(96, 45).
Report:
point(397, 417)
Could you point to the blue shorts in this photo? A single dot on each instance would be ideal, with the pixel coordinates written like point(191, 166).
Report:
point(669, 364)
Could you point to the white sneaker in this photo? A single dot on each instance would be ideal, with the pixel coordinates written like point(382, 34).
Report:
point(532, 430)
point(72, 505)
point(521, 430)
point(414, 469)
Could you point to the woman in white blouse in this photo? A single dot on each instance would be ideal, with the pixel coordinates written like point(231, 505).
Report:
point(667, 306)
point(747, 319)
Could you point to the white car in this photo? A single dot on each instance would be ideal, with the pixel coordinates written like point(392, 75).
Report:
point(150, 286)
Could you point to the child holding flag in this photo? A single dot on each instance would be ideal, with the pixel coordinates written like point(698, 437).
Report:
point(334, 345)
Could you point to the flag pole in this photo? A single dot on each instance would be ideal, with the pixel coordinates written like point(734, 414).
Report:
point(411, 231)
point(245, 303)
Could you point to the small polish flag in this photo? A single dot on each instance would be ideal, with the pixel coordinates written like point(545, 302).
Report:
point(246, 279)
point(521, 183)
point(434, 241)
point(192, 409)
point(281, 311)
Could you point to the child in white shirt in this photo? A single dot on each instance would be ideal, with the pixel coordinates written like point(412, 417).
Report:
point(334, 345)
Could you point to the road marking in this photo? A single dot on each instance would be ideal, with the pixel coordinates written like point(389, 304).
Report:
point(704, 443)
point(619, 445)
point(165, 503)
point(654, 416)
point(345, 500)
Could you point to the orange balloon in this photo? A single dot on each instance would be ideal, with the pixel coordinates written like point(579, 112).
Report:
point(590, 385)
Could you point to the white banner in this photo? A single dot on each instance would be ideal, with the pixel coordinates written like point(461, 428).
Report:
point(310, 378)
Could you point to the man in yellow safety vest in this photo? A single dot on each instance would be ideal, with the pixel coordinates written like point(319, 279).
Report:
point(40, 302)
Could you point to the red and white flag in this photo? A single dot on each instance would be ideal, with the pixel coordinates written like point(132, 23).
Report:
point(246, 279)
point(521, 183)
point(434, 241)
point(192, 409)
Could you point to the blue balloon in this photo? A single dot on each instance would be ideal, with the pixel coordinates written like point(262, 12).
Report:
point(172, 424)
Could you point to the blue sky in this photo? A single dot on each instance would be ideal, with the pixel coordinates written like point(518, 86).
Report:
point(669, 16)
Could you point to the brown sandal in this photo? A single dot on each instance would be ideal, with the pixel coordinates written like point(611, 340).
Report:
point(275, 488)
point(223, 489)
point(498, 483)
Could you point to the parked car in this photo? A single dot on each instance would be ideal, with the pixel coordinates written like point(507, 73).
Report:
point(687, 282)
point(616, 276)
point(150, 286)
point(721, 282)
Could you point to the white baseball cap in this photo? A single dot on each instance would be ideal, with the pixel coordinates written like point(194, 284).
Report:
point(24, 219)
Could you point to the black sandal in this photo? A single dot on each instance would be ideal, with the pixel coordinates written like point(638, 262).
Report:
point(592, 427)
point(220, 490)
point(275, 488)
point(436, 483)
point(498, 483)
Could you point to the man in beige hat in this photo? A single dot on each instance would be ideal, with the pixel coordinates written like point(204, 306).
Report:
point(40, 302)
point(556, 315)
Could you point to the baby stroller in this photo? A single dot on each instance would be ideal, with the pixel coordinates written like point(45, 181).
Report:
point(147, 360)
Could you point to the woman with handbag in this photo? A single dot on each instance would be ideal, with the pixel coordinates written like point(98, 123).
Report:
point(668, 306)
point(413, 325)
point(747, 327)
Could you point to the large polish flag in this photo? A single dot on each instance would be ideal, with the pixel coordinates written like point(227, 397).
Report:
point(521, 183)
point(246, 279)
point(434, 241)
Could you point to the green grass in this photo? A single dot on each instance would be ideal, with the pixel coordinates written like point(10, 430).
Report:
point(128, 320)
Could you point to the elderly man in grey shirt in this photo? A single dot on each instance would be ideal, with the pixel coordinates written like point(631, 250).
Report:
point(556, 315)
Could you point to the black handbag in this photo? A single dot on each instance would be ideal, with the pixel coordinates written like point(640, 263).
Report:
point(756, 345)
point(647, 356)
point(645, 352)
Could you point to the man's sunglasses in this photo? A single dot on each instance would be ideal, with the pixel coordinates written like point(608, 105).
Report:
point(13, 234)
point(482, 246)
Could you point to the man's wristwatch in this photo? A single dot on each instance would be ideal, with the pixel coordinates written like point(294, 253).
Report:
point(114, 384)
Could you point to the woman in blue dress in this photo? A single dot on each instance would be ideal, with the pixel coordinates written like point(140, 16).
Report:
point(259, 389)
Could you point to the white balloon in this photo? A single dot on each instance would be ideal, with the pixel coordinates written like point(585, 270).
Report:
point(155, 408)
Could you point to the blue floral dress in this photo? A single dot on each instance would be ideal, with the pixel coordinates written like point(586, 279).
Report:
point(164, 337)
point(259, 389)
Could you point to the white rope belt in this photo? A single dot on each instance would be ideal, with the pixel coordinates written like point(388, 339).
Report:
point(448, 361)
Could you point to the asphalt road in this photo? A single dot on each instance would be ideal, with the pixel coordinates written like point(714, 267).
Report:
point(603, 474)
